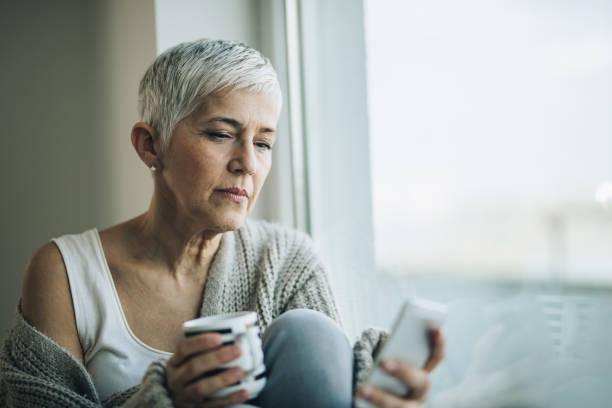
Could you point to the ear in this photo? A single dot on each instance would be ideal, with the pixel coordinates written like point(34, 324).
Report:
point(145, 140)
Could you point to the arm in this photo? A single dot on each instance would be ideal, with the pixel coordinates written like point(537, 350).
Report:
point(46, 301)
point(42, 361)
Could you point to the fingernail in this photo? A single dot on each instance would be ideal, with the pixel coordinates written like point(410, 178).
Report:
point(390, 365)
point(365, 391)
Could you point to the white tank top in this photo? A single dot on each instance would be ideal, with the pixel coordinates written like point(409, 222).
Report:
point(113, 355)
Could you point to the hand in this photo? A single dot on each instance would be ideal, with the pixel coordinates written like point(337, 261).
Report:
point(417, 380)
point(195, 356)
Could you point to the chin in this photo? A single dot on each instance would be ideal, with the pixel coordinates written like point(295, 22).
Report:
point(230, 222)
point(219, 219)
point(232, 226)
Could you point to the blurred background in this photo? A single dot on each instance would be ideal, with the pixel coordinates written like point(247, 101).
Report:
point(458, 151)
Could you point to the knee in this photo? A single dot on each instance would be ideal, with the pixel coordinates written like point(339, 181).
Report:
point(309, 360)
point(307, 324)
point(304, 322)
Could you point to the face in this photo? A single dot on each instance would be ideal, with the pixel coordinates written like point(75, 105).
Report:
point(219, 158)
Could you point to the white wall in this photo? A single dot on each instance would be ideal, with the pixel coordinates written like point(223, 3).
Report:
point(128, 45)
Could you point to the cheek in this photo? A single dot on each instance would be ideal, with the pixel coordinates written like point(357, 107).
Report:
point(202, 161)
point(262, 175)
point(198, 170)
point(195, 160)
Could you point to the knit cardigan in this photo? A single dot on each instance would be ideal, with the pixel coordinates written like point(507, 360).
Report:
point(261, 267)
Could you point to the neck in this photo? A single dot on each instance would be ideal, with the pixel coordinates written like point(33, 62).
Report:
point(176, 242)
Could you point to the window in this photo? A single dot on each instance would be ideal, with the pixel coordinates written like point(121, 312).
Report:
point(491, 138)
point(482, 144)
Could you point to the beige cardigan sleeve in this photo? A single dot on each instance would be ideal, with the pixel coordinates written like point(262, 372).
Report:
point(36, 371)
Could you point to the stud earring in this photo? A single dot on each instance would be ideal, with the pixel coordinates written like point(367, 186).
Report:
point(153, 168)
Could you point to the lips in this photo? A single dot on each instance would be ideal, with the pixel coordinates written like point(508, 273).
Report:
point(236, 191)
point(235, 194)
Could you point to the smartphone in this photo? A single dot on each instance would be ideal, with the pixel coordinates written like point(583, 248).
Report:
point(409, 343)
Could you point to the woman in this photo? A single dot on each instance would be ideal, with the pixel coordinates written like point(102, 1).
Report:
point(114, 301)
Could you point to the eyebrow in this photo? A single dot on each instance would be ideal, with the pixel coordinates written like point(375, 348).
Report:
point(237, 124)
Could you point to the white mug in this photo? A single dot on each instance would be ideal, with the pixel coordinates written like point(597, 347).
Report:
point(240, 328)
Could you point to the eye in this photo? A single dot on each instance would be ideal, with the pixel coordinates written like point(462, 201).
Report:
point(263, 145)
point(217, 135)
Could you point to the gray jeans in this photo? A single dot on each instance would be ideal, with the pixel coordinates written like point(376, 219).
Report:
point(309, 363)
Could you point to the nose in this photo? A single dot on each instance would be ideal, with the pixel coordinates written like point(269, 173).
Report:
point(243, 160)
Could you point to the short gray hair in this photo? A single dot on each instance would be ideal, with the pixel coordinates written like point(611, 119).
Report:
point(181, 77)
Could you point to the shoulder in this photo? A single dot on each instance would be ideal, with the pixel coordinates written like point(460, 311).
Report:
point(43, 275)
point(46, 301)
